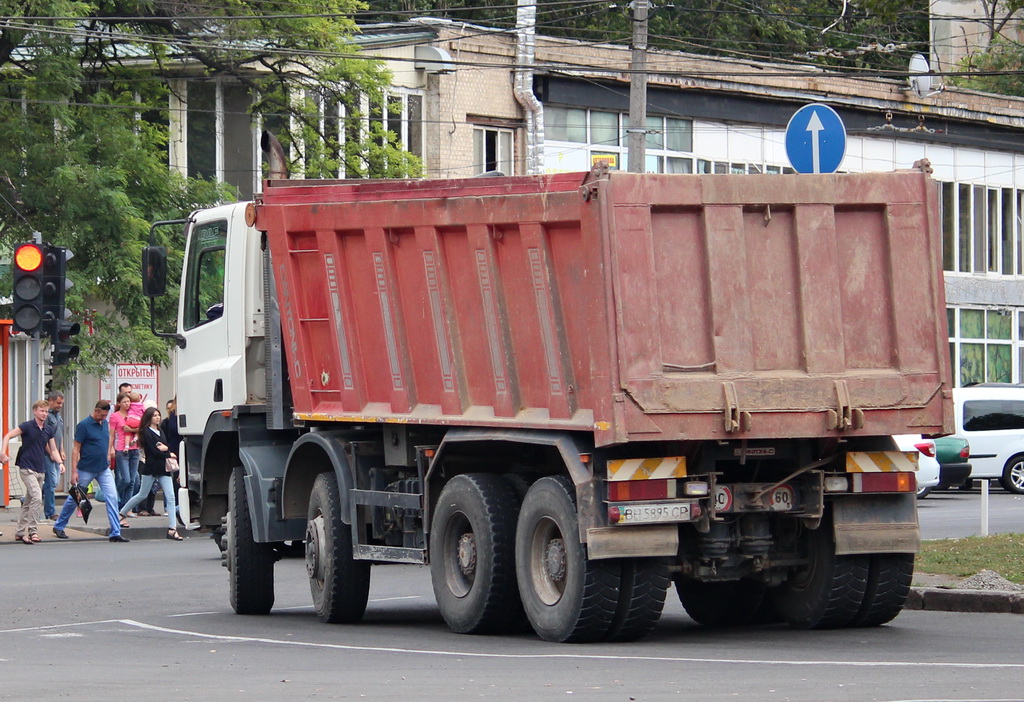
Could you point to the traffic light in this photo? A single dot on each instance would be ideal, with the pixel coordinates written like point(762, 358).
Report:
point(55, 283)
point(64, 348)
point(28, 288)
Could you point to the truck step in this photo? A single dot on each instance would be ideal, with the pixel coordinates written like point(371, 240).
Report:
point(390, 554)
point(384, 498)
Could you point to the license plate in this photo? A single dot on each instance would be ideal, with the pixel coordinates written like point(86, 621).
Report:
point(654, 512)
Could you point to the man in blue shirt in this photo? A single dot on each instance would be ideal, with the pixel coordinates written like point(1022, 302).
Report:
point(89, 462)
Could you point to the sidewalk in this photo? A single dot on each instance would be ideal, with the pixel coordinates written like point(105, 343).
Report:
point(141, 528)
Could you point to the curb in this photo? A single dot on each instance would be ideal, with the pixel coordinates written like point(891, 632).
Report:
point(938, 599)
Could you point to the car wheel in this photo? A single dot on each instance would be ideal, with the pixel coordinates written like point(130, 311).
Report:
point(1012, 479)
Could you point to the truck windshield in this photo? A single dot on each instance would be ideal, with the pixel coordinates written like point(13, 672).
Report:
point(204, 285)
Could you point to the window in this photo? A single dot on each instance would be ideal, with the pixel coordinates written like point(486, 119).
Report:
point(492, 150)
point(565, 124)
point(993, 415)
point(580, 139)
point(981, 229)
point(204, 287)
point(982, 345)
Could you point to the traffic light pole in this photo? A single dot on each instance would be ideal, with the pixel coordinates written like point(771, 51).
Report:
point(33, 386)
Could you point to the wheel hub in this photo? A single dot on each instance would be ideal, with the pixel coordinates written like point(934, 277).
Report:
point(467, 554)
point(554, 560)
point(315, 548)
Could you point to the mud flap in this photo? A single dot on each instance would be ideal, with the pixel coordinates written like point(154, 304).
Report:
point(876, 524)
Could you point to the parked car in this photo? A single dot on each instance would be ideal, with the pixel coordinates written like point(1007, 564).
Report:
point(952, 453)
point(927, 465)
point(991, 417)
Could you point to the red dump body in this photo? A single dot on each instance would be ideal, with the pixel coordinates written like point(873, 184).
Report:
point(635, 307)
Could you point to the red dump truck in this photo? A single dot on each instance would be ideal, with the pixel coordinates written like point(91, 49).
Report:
point(566, 393)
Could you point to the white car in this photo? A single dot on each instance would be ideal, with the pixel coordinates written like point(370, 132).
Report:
point(991, 417)
point(927, 465)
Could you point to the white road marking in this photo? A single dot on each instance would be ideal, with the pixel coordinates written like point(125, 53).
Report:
point(534, 656)
point(561, 656)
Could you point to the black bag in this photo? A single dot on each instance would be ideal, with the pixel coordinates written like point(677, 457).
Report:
point(78, 495)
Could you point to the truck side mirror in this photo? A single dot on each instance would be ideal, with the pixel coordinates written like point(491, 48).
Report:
point(154, 271)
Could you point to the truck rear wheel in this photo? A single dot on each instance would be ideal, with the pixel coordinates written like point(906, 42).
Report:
point(889, 577)
point(567, 597)
point(722, 604)
point(340, 585)
point(829, 591)
point(250, 565)
point(472, 546)
point(642, 588)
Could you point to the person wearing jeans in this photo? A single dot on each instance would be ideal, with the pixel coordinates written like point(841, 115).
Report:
point(126, 459)
point(90, 461)
point(53, 468)
point(154, 443)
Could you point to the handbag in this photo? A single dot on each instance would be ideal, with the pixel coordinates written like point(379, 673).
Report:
point(171, 464)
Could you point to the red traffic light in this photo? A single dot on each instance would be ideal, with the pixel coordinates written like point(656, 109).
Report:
point(28, 257)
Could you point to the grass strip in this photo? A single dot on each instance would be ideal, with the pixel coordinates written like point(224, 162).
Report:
point(1003, 553)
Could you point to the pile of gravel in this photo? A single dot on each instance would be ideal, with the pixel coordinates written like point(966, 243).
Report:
point(989, 580)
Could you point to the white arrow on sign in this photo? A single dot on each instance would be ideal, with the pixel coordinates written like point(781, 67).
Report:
point(814, 126)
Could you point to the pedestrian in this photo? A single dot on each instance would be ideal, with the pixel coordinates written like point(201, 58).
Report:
point(90, 460)
point(170, 429)
point(36, 443)
point(154, 444)
point(126, 458)
point(53, 470)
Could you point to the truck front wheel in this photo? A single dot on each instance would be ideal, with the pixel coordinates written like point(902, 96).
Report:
point(567, 597)
point(250, 564)
point(472, 547)
point(340, 585)
point(829, 591)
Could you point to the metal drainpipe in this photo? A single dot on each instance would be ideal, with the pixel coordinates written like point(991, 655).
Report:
point(526, 21)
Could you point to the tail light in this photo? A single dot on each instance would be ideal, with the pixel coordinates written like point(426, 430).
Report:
point(884, 482)
point(965, 452)
point(927, 448)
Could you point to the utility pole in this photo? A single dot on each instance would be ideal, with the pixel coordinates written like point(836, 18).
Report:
point(636, 142)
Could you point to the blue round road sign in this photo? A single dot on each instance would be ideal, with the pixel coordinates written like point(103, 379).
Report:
point(815, 139)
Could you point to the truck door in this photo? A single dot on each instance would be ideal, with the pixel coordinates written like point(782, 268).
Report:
point(207, 364)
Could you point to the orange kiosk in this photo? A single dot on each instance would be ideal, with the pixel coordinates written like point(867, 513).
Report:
point(5, 390)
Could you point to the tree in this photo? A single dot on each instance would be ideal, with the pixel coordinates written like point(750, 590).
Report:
point(84, 129)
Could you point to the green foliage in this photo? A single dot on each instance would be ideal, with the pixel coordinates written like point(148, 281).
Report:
point(965, 557)
point(998, 70)
point(84, 135)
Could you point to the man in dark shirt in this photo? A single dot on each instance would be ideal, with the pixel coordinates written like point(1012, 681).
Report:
point(36, 443)
point(89, 462)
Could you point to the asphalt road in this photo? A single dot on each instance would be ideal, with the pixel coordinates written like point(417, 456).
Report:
point(955, 514)
point(90, 620)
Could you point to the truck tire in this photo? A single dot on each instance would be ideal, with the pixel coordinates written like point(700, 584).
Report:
point(889, 577)
point(567, 598)
point(828, 593)
point(722, 604)
point(250, 565)
point(1012, 478)
point(340, 585)
point(643, 585)
point(472, 554)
